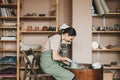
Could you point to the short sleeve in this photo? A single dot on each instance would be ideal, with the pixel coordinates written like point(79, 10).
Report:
point(54, 43)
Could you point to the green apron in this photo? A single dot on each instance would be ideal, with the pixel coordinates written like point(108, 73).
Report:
point(52, 67)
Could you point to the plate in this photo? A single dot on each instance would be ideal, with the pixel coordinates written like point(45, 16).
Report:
point(95, 44)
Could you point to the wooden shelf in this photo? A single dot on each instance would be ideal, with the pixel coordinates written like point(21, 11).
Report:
point(9, 5)
point(42, 32)
point(112, 67)
point(96, 32)
point(3, 50)
point(117, 49)
point(8, 40)
point(38, 17)
point(97, 15)
point(8, 27)
point(8, 75)
point(37, 50)
point(8, 17)
point(28, 67)
point(107, 14)
point(19, 9)
point(113, 13)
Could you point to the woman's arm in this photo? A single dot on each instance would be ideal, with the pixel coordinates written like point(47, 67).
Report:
point(56, 56)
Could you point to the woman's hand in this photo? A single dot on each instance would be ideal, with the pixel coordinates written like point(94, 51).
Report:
point(56, 56)
point(68, 59)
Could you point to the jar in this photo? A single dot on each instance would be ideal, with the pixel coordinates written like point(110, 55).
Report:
point(36, 28)
point(45, 28)
point(29, 28)
point(50, 28)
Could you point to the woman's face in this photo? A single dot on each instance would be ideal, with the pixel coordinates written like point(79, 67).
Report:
point(68, 39)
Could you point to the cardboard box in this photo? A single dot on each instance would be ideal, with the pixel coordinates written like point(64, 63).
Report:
point(108, 76)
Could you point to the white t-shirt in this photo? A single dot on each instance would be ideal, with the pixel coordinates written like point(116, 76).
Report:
point(53, 43)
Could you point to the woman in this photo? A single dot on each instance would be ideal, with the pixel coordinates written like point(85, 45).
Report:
point(50, 57)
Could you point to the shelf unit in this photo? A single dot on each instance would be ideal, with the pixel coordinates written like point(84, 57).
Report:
point(50, 18)
point(105, 38)
point(38, 19)
point(9, 23)
point(102, 21)
point(8, 18)
point(99, 33)
point(106, 32)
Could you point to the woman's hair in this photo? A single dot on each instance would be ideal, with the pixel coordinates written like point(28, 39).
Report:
point(71, 31)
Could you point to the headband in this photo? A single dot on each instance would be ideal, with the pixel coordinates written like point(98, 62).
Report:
point(63, 26)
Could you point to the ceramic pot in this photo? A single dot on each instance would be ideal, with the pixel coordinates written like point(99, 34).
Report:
point(45, 28)
point(29, 28)
point(37, 29)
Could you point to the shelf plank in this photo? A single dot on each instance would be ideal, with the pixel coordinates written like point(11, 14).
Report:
point(37, 50)
point(28, 67)
point(39, 17)
point(96, 32)
point(113, 13)
point(8, 27)
point(8, 40)
point(8, 75)
point(96, 15)
point(107, 14)
point(8, 4)
point(112, 67)
point(8, 17)
point(3, 50)
point(117, 49)
point(42, 32)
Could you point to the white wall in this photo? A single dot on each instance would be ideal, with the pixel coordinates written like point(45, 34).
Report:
point(82, 21)
point(65, 12)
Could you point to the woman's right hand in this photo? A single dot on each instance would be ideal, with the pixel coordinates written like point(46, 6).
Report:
point(57, 57)
point(68, 59)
